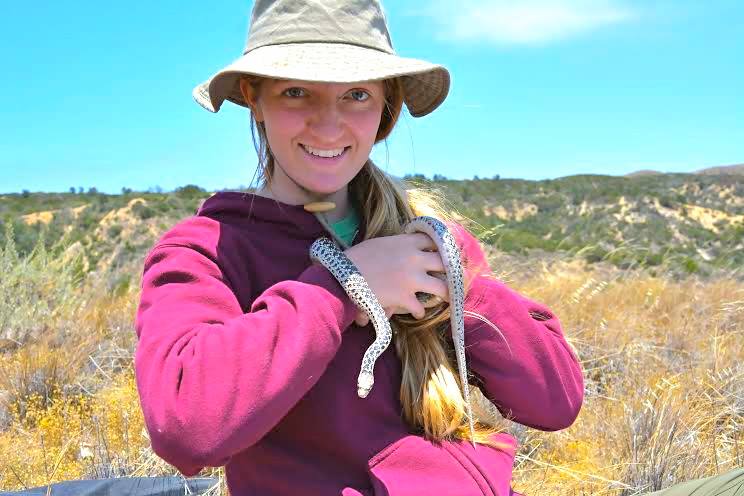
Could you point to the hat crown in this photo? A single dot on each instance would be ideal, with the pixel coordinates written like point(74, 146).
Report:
point(355, 22)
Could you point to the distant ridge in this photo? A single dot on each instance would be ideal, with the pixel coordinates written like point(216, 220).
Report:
point(722, 169)
point(644, 172)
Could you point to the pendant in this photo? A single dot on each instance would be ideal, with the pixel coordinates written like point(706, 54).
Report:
point(319, 206)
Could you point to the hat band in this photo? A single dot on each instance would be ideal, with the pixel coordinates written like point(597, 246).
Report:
point(387, 50)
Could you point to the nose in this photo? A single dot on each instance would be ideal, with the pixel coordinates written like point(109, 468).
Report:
point(326, 123)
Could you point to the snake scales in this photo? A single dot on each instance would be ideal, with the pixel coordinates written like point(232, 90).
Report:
point(327, 253)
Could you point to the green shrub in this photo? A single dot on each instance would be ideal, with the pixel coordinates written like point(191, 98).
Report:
point(37, 288)
point(190, 191)
point(595, 254)
point(690, 265)
point(114, 230)
point(653, 259)
point(143, 211)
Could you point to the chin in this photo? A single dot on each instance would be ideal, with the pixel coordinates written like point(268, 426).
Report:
point(325, 188)
point(322, 192)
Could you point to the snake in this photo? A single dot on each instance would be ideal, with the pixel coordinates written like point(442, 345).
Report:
point(328, 254)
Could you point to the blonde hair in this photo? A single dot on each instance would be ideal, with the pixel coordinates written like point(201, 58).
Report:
point(430, 391)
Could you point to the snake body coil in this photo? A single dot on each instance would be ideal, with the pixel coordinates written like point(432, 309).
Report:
point(327, 253)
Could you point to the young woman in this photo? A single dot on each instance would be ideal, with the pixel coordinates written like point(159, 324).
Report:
point(248, 353)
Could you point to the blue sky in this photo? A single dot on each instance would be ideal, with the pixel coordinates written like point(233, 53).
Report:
point(99, 94)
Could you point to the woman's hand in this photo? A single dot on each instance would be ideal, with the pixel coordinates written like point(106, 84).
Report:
point(396, 268)
point(362, 319)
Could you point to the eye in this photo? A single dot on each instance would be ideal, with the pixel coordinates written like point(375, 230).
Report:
point(359, 95)
point(294, 92)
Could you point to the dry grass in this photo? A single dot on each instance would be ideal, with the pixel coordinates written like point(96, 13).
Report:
point(664, 380)
point(663, 366)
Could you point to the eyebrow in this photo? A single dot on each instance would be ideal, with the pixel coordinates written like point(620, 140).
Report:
point(309, 84)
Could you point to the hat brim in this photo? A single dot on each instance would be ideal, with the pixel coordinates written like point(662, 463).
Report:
point(425, 85)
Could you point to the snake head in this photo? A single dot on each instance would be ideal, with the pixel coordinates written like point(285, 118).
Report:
point(364, 384)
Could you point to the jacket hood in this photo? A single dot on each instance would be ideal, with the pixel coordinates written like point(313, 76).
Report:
point(240, 207)
point(249, 205)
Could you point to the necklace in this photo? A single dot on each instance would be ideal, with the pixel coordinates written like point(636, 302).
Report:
point(319, 209)
point(320, 206)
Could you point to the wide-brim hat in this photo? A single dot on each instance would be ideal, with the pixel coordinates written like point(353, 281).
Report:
point(334, 41)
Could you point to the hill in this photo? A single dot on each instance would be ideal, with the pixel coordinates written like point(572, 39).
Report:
point(688, 223)
point(726, 169)
point(694, 223)
point(723, 169)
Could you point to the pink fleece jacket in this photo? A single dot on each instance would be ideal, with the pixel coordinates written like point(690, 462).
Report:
point(248, 356)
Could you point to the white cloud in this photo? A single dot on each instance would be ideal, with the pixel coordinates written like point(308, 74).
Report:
point(524, 21)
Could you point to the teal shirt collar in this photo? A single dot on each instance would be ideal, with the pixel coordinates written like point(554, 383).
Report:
point(347, 227)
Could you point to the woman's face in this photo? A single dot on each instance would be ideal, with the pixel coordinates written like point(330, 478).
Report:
point(320, 134)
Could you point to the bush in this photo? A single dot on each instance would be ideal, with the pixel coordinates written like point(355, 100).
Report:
point(37, 288)
point(690, 265)
point(114, 230)
point(548, 203)
point(595, 254)
point(654, 259)
point(190, 191)
point(142, 211)
point(666, 201)
point(512, 240)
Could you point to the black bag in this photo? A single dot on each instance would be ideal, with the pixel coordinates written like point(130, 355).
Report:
point(123, 486)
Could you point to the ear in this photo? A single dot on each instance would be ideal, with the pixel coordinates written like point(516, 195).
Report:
point(249, 95)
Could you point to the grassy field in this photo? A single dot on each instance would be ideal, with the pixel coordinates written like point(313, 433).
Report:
point(664, 369)
point(661, 347)
point(662, 356)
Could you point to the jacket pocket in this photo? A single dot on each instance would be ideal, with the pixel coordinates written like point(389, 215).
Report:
point(414, 466)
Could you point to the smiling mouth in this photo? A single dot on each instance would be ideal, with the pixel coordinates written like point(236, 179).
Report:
point(328, 154)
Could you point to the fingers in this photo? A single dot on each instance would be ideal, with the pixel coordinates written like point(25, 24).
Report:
point(432, 262)
point(418, 313)
point(362, 319)
point(416, 309)
point(422, 241)
point(435, 284)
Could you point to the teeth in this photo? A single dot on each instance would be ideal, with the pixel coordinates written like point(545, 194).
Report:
point(323, 153)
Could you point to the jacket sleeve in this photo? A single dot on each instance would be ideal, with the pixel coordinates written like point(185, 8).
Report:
point(213, 380)
point(530, 373)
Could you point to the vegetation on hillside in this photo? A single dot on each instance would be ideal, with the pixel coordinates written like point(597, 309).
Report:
point(677, 223)
point(660, 343)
